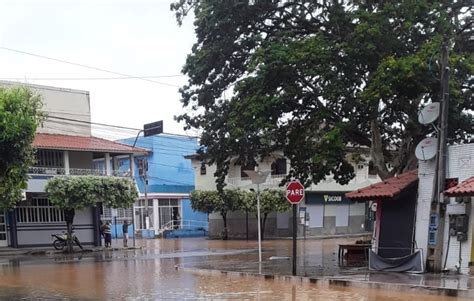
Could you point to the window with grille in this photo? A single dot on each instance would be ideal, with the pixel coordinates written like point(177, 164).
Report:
point(279, 167)
point(38, 210)
point(49, 158)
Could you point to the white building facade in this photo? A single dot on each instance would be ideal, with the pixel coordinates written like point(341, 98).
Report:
point(461, 167)
point(325, 210)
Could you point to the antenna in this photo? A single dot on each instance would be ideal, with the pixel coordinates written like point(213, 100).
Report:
point(426, 149)
point(429, 113)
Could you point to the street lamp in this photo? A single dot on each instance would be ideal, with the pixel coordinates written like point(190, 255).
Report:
point(258, 177)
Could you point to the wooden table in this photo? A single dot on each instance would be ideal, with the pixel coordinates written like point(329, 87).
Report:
point(347, 248)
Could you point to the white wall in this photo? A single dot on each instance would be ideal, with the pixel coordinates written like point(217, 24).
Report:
point(65, 103)
point(207, 181)
point(461, 166)
point(204, 182)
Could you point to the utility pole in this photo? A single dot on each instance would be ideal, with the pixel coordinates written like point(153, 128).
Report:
point(438, 206)
point(144, 175)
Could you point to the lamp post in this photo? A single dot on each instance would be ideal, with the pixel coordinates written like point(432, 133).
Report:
point(258, 177)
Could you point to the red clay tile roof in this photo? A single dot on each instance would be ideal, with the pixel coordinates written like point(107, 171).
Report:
point(465, 188)
point(385, 189)
point(82, 143)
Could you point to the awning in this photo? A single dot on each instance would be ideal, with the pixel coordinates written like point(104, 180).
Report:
point(386, 189)
point(465, 188)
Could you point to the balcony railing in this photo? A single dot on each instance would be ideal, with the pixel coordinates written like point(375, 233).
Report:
point(273, 180)
point(55, 171)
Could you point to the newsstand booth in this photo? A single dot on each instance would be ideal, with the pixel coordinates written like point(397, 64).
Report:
point(393, 244)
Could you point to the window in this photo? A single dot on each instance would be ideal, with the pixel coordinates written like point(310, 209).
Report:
point(249, 166)
point(203, 168)
point(372, 168)
point(279, 167)
point(38, 210)
point(49, 158)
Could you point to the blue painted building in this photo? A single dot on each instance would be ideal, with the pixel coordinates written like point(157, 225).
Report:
point(170, 180)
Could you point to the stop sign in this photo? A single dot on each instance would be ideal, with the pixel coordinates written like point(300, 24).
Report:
point(294, 192)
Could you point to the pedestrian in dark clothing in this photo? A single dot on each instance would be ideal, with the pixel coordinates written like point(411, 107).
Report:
point(107, 231)
point(125, 233)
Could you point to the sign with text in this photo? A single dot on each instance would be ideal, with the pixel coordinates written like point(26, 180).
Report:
point(153, 128)
point(294, 192)
point(327, 198)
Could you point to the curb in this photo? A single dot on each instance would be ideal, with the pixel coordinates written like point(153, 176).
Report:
point(325, 282)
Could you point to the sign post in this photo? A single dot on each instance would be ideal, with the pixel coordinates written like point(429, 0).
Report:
point(294, 195)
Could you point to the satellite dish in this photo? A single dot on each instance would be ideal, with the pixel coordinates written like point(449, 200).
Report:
point(373, 207)
point(429, 113)
point(426, 149)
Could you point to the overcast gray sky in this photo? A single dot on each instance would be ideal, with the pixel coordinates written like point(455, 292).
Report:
point(136, 37)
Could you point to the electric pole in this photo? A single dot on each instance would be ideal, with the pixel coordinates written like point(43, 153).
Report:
point(438, 206)
point(144, 174)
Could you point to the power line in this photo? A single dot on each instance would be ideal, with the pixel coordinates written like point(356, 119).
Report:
point(169, 181)
point(177, 150)
point(87, 66)
point(116, 126)
point(91, 78)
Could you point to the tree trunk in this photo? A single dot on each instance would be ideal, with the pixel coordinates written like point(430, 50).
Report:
point(69, 216)
point(376, 151)
point(224, 231)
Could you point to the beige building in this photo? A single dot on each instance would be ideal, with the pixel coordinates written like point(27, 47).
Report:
point(325, 210)
point(63, 147)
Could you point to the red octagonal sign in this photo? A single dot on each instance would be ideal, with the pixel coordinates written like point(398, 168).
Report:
point(294, 192)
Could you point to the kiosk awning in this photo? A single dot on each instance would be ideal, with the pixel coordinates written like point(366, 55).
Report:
point(386, 189)
point(465, 188)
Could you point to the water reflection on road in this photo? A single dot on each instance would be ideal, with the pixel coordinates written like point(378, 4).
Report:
point(152, 273)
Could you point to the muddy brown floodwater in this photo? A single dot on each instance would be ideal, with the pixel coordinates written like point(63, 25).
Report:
point(154, 273)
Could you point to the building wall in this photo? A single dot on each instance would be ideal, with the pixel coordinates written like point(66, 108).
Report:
point(39, 234)
point(168, 170)
point(324, 219)
point(169, 173)
point(460, 165)
point(65, 103)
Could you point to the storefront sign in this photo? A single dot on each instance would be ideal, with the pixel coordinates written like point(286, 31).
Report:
point(328, 198)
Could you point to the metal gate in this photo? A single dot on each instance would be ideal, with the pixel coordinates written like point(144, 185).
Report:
point(3, 230)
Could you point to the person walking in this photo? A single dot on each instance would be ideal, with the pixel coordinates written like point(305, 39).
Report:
point(125, 233)
point(107, 230)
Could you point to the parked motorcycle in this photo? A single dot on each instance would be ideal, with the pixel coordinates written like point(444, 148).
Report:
point(60, 241)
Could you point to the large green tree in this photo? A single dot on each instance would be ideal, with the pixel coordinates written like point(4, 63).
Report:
point(312, 78)
point(222, 202)
point(72, 193)
point(228, 200)
point(20, 115)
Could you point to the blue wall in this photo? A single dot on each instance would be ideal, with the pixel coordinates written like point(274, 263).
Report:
point(168, 170)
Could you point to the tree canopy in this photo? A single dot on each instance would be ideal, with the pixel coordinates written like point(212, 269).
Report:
point(20, 115)
point(72, 193)
point(319, 79)
point(228, 200)
point(79, 192)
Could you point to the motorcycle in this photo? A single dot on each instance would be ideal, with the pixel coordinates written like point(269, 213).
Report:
point(60, 241)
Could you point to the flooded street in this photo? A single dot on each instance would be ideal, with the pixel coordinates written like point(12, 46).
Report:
point(155, 272)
